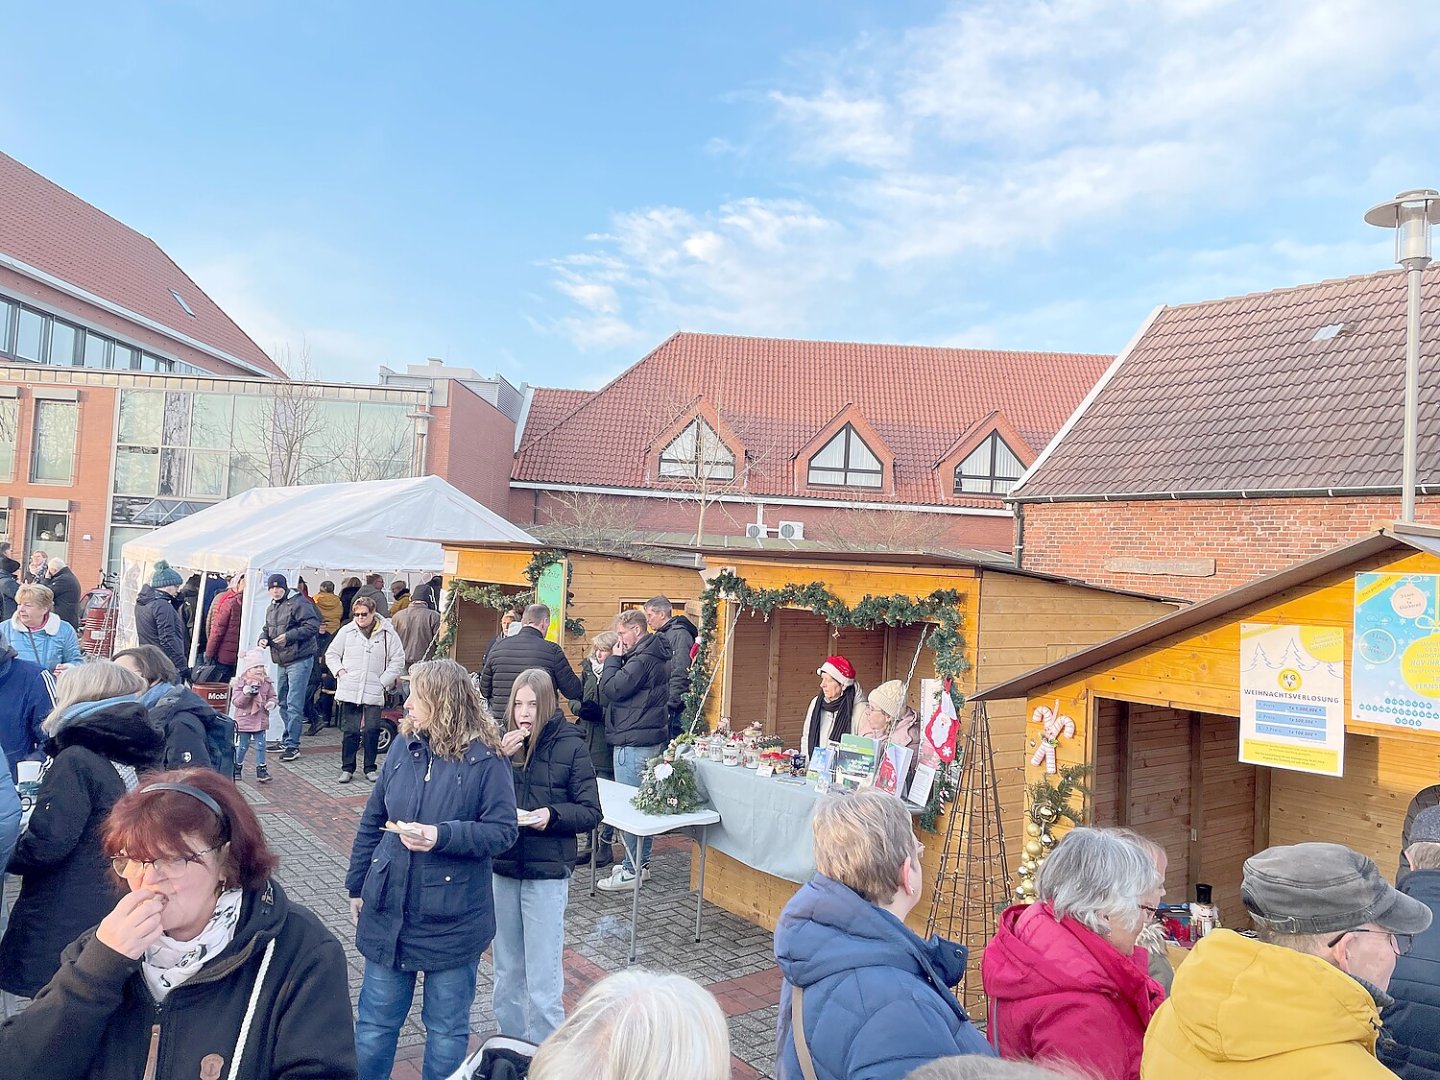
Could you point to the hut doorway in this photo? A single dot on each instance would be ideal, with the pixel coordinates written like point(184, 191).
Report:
point(1175, 776)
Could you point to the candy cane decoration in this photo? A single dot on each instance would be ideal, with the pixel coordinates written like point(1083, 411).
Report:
point(1053, 726)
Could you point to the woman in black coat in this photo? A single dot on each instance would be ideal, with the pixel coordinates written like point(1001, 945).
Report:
point(203, 968)
point(179, 712)
point(99, 738)
point(556, 798)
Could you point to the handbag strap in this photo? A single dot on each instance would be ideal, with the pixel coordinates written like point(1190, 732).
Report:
point(244, 1035)
point(797, 1030)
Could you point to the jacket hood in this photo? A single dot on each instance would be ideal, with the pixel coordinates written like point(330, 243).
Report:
point(148, 594)
point(681, 621)
point(829, 929)
point(1237, 999)
point(118, 728)
point(51, 627)
point(262, 916)
point(654, 644)
point(1032, 956)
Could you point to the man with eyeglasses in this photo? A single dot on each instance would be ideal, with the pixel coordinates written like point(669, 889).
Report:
point(1410, 1043)
point(1303, 999)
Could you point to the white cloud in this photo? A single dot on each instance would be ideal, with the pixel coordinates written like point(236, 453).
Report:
point(941, 158)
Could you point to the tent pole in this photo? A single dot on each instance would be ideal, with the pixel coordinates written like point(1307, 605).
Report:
point(199, 616)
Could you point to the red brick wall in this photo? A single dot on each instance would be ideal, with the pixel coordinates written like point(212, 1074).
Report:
point(1247, 538)
point(471, 444)
point(56, 301)
point(88, 495)
point(531, 507)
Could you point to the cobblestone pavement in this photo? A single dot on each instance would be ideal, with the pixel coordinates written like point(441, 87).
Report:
point(310, 819)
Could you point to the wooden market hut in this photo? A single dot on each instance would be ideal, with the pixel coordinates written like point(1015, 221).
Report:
point(1158, 715)
point(597, 586)
point(764, 667)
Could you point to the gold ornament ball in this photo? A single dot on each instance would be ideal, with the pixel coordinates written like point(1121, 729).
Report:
point(1026, 887)
point(1032, 829)
point(1033, 848)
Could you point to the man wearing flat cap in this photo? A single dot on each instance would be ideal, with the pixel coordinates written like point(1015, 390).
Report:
point(1410, 1043)
point(1303, 999)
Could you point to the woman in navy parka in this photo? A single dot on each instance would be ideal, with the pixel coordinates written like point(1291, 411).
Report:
point(421, 896)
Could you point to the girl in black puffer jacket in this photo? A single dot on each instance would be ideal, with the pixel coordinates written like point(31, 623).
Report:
point(557, 798)
point(99, 738)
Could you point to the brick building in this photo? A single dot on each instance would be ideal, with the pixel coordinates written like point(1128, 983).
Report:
point(1235, 437)
point(129, 399)
point(846, 444)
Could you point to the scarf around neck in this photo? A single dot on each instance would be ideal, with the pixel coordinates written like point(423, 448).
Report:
point(168, 963)
point(843, 707)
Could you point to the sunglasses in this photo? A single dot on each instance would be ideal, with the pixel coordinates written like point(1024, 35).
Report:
point(1401, 943)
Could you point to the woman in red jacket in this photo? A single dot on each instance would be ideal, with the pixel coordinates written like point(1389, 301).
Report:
point(1066, 980)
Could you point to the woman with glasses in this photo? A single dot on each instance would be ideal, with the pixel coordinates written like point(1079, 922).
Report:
point(98, 738)
point(204, 968)
point(1066, 979)
point(863, 994)
point(368, 659)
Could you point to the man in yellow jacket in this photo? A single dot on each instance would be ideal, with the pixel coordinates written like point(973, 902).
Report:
point(1301, 1001)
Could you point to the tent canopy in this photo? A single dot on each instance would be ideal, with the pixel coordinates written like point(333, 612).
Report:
point(320, 529)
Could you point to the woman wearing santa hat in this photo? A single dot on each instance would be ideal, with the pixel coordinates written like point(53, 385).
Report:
point(838, 708)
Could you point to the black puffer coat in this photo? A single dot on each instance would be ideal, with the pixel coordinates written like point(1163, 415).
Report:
point(94, 1020)
point(589, 710)
point(182, 715)
point(636, 689)
point(561, 778)
point(297, 618)
point(68, 885)
point(158, 622)
point(680, 633)
point(508, 657)
point(66, 587)
point(1410, 1040)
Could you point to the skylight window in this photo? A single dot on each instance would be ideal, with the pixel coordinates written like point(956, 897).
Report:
point(181, 301)
point(1325, 333)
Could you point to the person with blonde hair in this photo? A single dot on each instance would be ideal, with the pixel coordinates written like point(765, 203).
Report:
point(419, 881)
point(99, 737)
point(37, 634)
point(556, 793)
point(1067, 979)
point(863, 994)
point(639, 1025)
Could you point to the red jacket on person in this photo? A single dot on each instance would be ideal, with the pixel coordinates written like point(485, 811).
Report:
point(1060, 993)
point(222, 640)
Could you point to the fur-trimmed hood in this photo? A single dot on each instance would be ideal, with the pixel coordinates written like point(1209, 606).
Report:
point(118, 728)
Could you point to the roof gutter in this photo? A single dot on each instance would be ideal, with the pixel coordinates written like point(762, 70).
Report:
point(1232, 493)
point(683, 494)
point(61, 285)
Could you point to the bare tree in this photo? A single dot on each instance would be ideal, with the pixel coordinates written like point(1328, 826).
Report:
point(879, 530)
point(699, 463)
point(591, 521)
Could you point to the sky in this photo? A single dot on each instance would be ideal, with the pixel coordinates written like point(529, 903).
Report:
point(548, 191)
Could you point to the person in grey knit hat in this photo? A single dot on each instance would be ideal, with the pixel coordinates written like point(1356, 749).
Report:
point(1410, 1042)
point(157, 616)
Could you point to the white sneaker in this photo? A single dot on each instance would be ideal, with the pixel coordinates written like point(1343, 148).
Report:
point(620, 880)
point(344, 777)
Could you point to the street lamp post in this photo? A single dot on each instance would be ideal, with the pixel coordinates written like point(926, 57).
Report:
point(1410, 214)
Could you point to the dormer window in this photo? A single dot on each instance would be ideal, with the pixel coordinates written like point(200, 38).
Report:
point(990, 469)
point(845, 461)
point(697, 453)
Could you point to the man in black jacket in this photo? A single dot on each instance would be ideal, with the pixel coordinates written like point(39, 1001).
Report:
point(292, 630)
point(680, 632)
point(157, 616)
point(61, 581)
point(1410, 1040)
point(635, 685)
point(508, 657)
point(9, 586)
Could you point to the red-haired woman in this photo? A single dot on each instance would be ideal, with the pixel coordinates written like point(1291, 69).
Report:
point(202, 962)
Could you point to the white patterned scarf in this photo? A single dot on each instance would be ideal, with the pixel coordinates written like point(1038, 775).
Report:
point(168, 962)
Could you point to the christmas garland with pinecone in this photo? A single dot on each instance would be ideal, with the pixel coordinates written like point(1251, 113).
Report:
point(668, 784)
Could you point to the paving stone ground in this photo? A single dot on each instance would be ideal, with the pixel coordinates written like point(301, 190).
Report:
point(311, 819)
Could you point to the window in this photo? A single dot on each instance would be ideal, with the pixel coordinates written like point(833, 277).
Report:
point(126, 358)
point(62, 343)
point(97, 350)
point(48, 529)
point(990, 469)
point(697, 453)
point(9, 435)
point(56, 423)
point(32, 330)
point(8, 312)
point(181, 301)
point(845, 461)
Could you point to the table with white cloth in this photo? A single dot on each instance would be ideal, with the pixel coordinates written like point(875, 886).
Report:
point(620, 813)
point(764, 821)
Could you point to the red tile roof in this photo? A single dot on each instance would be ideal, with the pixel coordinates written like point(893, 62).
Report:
point(776, 394)
point(1237, 394)
point(549, 405)
point(48, 228)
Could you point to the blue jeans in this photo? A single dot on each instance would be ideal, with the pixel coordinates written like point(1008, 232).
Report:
point(385, 998)
point(293, 685)
point(246, 739)
point(529, 951)
point(629, 767)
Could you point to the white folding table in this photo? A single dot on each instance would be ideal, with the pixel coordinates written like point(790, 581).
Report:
point(620, 814)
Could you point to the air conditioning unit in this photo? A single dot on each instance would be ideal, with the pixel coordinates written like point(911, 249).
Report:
point(791, 530)
point(756, 531)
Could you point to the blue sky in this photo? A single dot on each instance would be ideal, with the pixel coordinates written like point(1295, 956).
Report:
point(549, 190)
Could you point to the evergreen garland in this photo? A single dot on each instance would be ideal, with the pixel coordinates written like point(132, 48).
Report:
point(1052, 802)
point(499, 597)
point(942, 608)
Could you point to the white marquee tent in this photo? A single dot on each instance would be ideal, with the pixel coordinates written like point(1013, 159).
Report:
point(321, 531)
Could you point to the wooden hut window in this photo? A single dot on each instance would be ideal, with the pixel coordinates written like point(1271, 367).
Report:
point(990, 469)
point(845, 461)
point(697, 453)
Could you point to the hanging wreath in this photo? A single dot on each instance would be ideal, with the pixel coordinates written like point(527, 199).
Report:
point(942, 608)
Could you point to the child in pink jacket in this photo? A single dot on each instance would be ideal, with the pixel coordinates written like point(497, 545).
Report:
point(252, 696)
